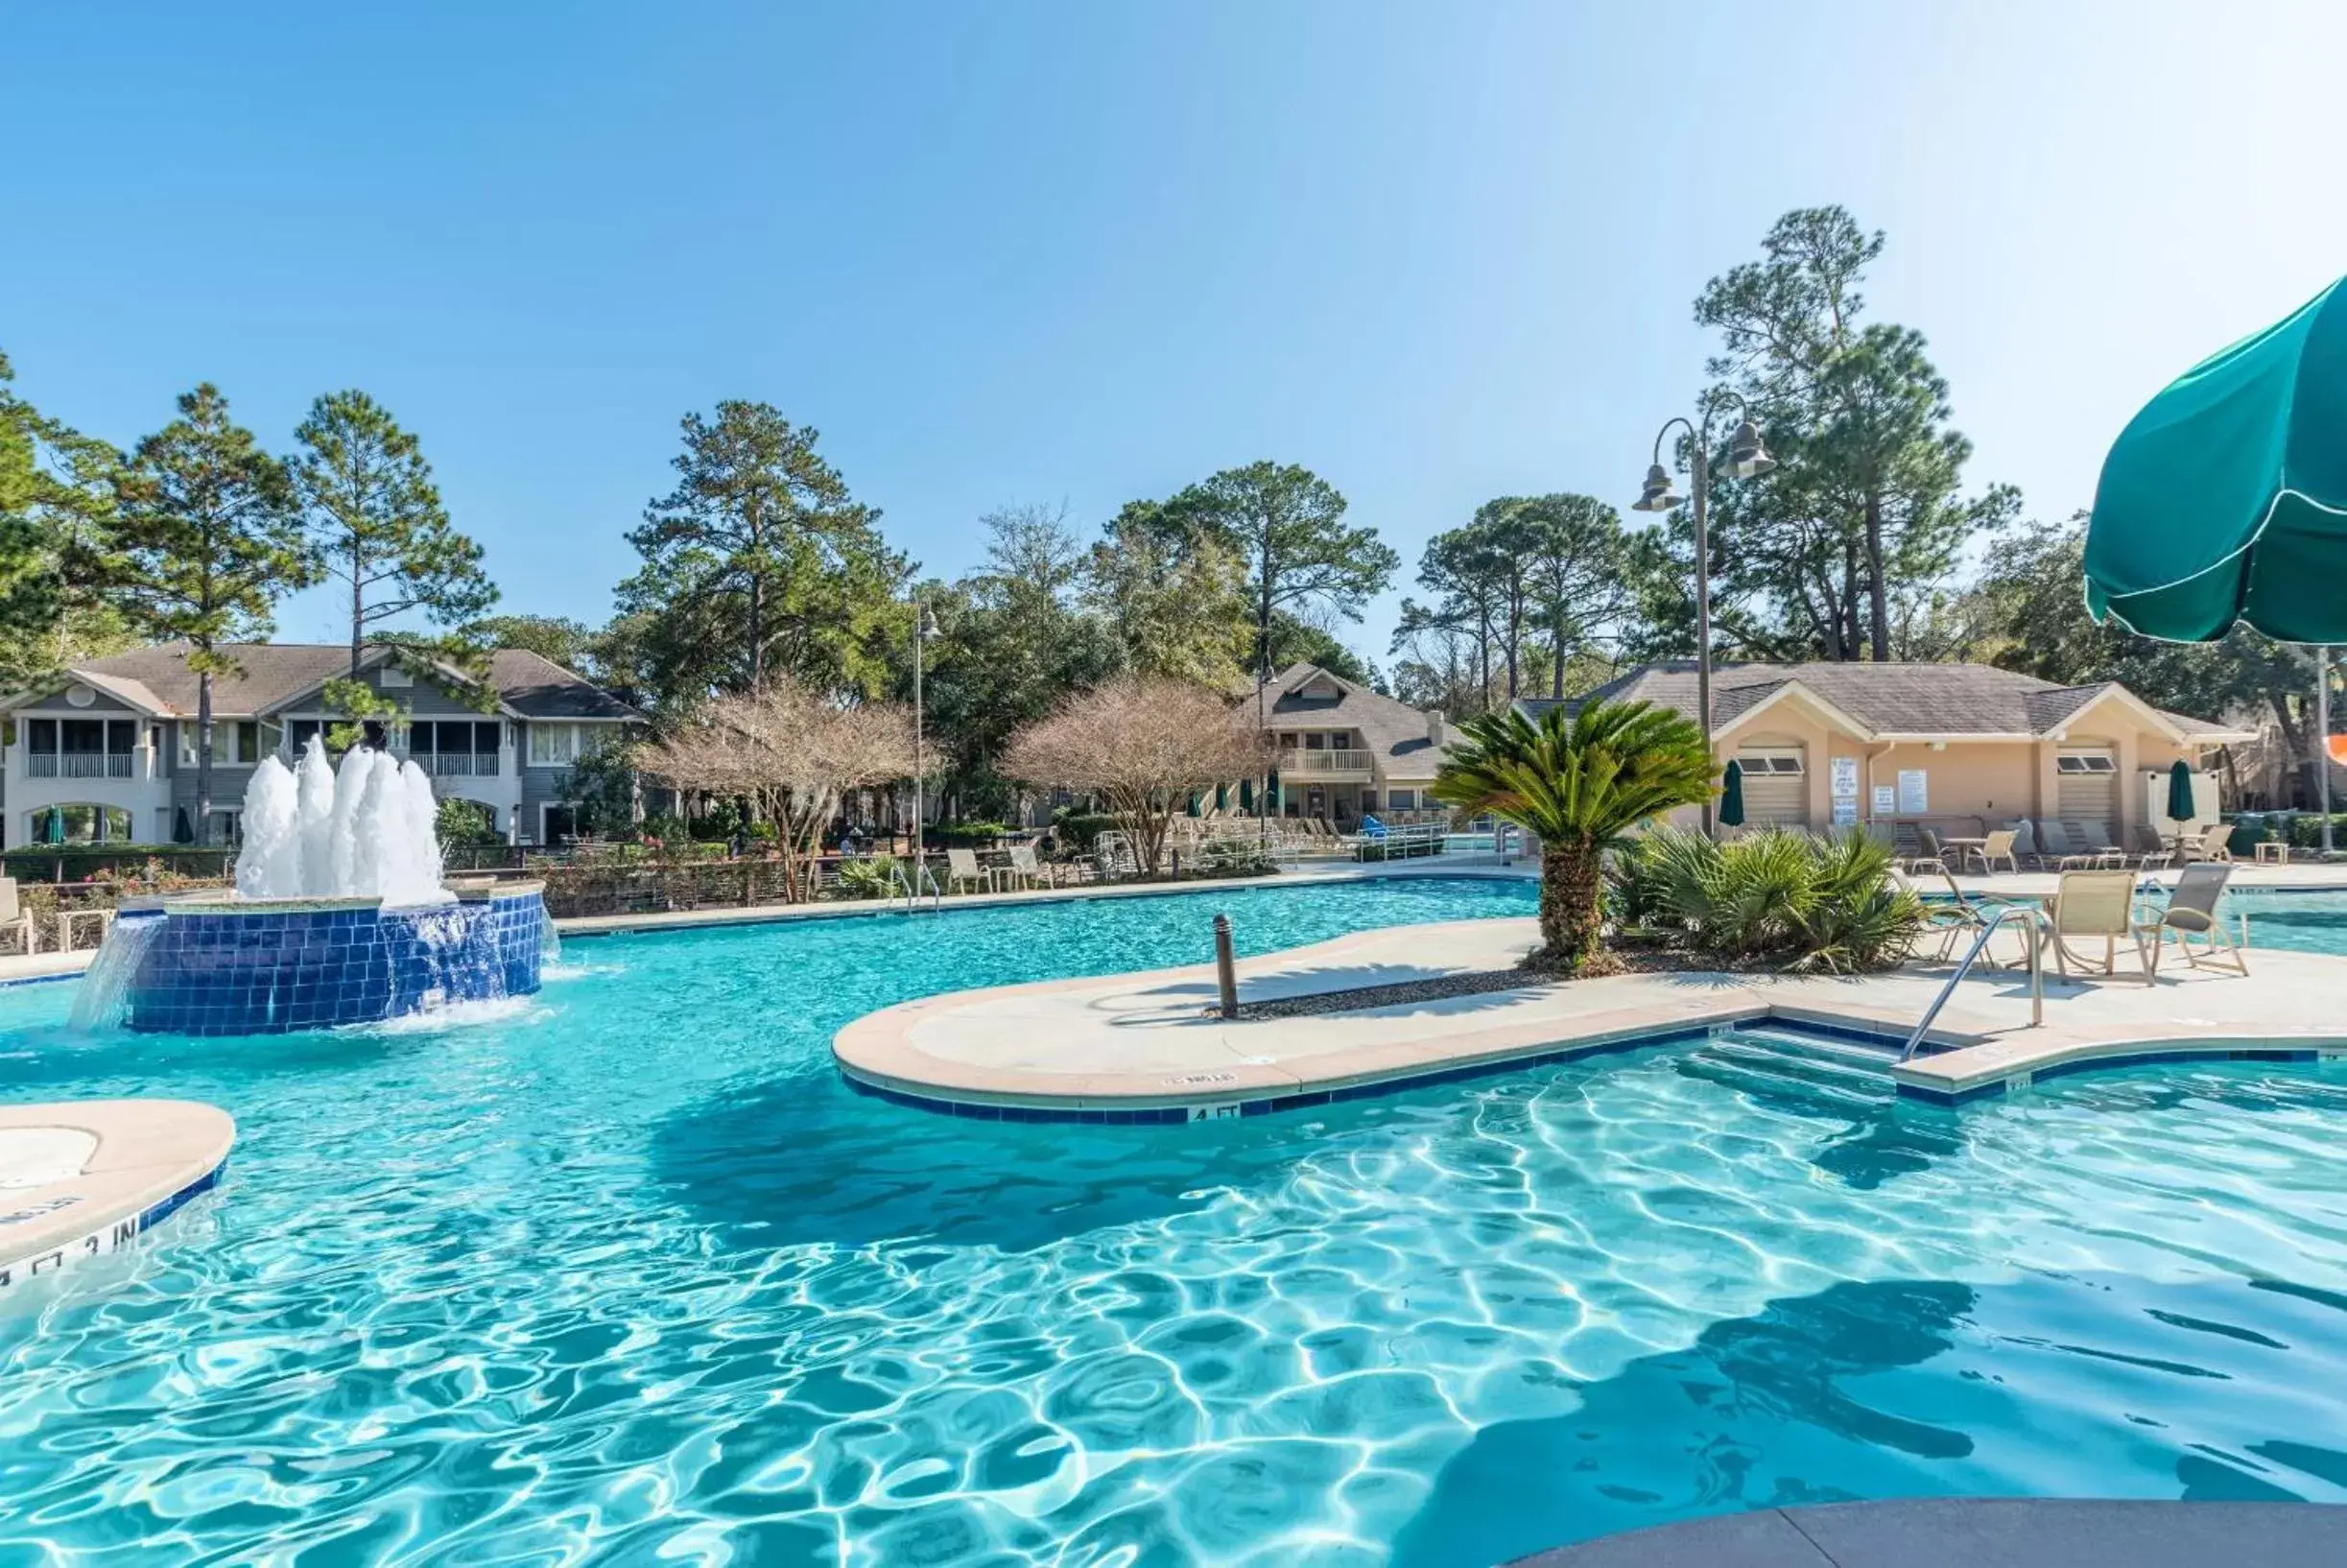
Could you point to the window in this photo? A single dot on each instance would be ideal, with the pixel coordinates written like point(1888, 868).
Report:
point(1775, 764)
point(234, 743)
point(553, 746)
point(391, 678)
point(78, 823)
point(2085, 762)
point(1401, 799)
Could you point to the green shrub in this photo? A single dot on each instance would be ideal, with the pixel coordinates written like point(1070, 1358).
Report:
point(1078, 829)
point(874, 877)
point(1768, 897)
point(967, 835)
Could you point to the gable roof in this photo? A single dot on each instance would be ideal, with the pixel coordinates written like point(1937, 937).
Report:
point(271, 676)
point(1394, 729)
point(1892, 700)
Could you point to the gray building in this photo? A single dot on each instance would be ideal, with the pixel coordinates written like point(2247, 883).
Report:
point(105, 751)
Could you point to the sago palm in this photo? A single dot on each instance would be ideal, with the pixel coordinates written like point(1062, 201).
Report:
point(1579, 784)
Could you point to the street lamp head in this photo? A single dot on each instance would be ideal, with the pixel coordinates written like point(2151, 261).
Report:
point(929, 626)
point(1657, 495)
point(1747, 457)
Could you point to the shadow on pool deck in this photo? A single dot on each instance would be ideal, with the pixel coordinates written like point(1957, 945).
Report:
point(1760, 1410)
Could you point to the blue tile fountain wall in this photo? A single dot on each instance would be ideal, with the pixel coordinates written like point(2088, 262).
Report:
point(219, 969)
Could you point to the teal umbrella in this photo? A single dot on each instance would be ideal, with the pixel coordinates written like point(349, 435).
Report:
point(1192, 809)
point(1221, 798)
point(2180, 805)
point(2225, 499)
point(1732, 797)
point(1271, 793)
point(1246, 794)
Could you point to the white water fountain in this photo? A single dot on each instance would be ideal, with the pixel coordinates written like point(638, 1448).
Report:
point(339, 916)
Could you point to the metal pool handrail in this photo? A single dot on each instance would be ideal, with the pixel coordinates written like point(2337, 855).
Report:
point(2031, 915)
point(907, 886)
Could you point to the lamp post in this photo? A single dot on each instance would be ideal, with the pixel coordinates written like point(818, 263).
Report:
point(924, 628)
point(1747, 459)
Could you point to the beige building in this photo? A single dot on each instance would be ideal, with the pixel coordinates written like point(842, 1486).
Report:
point(1345, 750)
point(1962, 749)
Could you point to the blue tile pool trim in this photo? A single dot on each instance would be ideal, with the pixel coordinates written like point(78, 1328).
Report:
point(217, 971)
point(1306, 1100)
point(111, 1237)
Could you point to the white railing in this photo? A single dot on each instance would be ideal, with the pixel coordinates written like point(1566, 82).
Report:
point(1404, 843)
point(462, 763)
point(1303, 762)
point(78, 764)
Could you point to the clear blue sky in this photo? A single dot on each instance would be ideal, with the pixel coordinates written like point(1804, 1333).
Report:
point(1011, 252)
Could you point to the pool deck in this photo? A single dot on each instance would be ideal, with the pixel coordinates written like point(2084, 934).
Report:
point(1149, 1045)
point(1982, 1532)
point(82, 1179)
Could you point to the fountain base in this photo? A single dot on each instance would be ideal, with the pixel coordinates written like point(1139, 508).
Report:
point(268, 966)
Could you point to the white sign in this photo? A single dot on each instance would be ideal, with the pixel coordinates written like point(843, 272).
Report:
point(1886, 800)
point(1845, 810)
point(1915, 791)
point(1845, 779)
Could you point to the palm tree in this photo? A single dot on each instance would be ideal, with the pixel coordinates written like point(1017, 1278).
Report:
point(1580, 782)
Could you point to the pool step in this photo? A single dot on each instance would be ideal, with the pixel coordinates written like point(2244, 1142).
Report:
point(1769, 1060)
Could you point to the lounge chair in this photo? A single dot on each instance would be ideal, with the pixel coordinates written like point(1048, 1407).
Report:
point(2191, 911)
point(1995, 846)
point(2063, 851)
point(2090, 904)
point(1934, 857)
point(1023, 869)
point(2215, 845)
point(2096, 838)
point(2152, 855)
point(1958, 915)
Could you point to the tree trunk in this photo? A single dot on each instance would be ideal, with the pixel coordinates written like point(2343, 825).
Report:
point(757, 632)
point(1878, 591)
point(1570, 922)
point(358, 606)
point(203, 756)
point(1557, 676)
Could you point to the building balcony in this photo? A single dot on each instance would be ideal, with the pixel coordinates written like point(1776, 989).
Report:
point(79, 765)
point(459, 764)
point(1301, 763)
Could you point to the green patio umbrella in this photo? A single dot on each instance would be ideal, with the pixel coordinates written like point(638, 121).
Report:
point(1732, 796)
point(1246, 794)
point(2180, 805)
point(2225, 499)
point(1270, 791)
point(1221, 798)
point(1192, 809)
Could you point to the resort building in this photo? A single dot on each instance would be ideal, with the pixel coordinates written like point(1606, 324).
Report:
point(1961, 748)
point(1345, 750)
point(105, 751)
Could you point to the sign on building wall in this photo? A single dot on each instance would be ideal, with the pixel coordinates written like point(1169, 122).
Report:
point(1915, 791)
point(1843, 774)
point(1886, 800)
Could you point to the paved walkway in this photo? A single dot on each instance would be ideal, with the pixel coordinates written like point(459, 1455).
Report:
point(1982, 1532)
point(1151, 1040)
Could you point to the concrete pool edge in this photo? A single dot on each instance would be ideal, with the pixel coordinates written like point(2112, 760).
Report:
point(150, 1156)
point(1969, 1533)
point(1144, 1047)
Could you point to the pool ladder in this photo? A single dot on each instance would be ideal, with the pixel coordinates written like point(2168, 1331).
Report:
point(906, 888)
point(2030, 916)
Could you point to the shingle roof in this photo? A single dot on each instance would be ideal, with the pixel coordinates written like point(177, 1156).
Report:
point(267, 674)
point(1394, 729)
point(1887, 698)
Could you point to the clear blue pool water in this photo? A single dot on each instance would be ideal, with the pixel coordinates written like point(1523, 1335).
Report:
point(625, 1274)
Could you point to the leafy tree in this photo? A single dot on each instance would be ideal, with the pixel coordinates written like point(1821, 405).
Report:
point(206, 536)
point(1579, 784)
point(1296, 640)
point(1286, 524)
point(759, 563)
point(1175, 599)
point(57, 496)
point(377, 523)
point(556, 638)
point(1866, 506)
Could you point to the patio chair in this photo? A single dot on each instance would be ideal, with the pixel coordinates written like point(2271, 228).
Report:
point(1025, 870)
point(1995, 846)
point(2095, 839)
point(13, 916)
point(2214, 844)
point(2191, 911)
point(2063, 850)
point(1932, 857)
point(1956, 916)
point(2090, 904)
point(962, 866)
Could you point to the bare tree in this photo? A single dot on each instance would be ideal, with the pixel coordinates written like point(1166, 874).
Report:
point(1142, 743)
point(791, 754)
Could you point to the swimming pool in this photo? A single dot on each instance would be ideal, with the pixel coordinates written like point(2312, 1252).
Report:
point(628, 1272)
